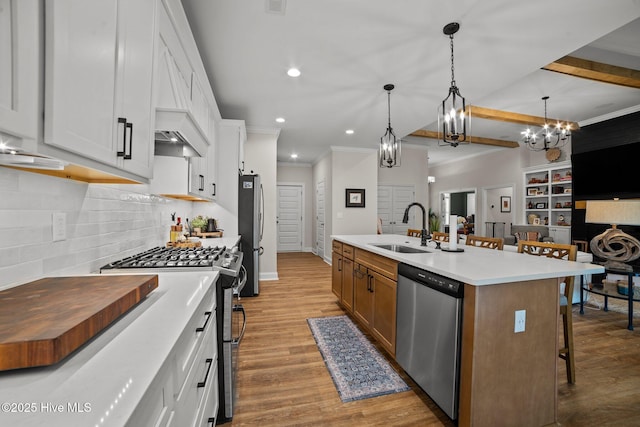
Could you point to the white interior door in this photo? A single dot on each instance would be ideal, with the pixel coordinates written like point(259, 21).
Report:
point(289, 218)
point(385, 208)
point(403, 196)
point(320, 219)
point(392, 202)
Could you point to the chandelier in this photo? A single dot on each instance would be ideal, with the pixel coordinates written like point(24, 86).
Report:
point(452, 115)
point(389, 144)
point(550, 138)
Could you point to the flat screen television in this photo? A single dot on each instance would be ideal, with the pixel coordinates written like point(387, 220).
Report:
point(607, 173)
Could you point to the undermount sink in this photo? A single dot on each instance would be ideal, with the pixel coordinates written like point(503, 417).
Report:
point(402, 249)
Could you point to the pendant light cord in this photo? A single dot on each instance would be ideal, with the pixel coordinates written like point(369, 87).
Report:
point(453, 79)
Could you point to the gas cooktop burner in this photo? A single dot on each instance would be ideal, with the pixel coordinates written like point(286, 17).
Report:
point(215, 258)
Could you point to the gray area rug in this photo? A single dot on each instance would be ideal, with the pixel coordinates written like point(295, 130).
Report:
point(357, 368)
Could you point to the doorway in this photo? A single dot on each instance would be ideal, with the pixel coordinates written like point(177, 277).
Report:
point(290, 217)
point(461, 203)
point(498, 210)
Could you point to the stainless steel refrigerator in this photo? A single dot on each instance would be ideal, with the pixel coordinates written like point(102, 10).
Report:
point(250, 228)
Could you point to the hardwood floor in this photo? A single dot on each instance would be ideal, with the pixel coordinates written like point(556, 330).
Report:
point(283, 380)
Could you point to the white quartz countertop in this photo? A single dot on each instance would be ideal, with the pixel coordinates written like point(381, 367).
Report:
point(101, 383)
point(475, 266)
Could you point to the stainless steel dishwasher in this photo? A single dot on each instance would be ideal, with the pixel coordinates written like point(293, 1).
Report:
point(428, 333)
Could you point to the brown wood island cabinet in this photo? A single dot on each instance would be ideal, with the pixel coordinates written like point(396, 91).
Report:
point(342, 274)
point(365, 285)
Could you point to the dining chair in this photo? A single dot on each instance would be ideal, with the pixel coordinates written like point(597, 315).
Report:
point(485, 242)
point(567, 252)
point(413, 232)
point(440, 236)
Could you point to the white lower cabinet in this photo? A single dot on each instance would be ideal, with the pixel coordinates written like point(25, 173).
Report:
point(185, 391)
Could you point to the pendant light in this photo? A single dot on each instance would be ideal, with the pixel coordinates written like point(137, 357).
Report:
point(389, 144)
point(555, 138)
point(453, 117)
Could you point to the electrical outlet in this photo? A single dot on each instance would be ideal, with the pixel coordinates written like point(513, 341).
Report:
point(59, 226)
point(521, 318)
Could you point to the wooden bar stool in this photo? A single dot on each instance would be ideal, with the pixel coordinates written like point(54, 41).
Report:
point(485, 242)
point(413, 232)
point(439, 236)
point(567, 252)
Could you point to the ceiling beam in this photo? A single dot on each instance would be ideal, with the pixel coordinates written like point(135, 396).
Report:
point(521, 119)
point(423, 133)
point(596, 71)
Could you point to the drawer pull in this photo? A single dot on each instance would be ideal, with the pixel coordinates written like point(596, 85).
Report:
point(209, 362)
point(201, 328)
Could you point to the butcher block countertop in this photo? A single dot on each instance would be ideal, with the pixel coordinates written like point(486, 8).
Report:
point(42, 322)
point(474, 266)
point(103, 381)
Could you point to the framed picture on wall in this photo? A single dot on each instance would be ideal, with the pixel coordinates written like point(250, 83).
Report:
point(354, 198)
point(505, 203)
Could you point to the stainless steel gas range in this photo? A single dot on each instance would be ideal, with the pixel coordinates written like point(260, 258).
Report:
point(230, 314)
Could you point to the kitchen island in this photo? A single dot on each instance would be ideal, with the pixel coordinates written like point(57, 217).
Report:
point(131, 372)
point(506, 378)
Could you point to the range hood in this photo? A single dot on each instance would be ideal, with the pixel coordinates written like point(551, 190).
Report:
point(178, 135)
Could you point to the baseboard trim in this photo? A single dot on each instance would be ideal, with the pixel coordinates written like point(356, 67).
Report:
point(269, 276)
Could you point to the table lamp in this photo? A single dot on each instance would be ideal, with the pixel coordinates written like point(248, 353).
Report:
point(614, 245)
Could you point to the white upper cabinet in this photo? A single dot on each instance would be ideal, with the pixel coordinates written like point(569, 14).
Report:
point(98, 80)
point(134, 83)
point(19, 67)
point(231, 135)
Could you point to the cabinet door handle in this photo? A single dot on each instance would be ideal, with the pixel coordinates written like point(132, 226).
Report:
point(373, 284)
point(129, 126)
point(123, 121)
point(201, 328)
point(214, 188)
point(201, 183)
point(204, 382)
point(339, 264)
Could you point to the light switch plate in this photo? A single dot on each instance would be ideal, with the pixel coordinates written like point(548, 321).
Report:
point(59, 226)
point(521, 318)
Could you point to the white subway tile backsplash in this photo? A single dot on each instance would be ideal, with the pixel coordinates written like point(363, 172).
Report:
point(104, 223)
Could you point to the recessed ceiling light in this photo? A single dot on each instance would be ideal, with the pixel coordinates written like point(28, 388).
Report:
point(294, 156)
point(293, 72)
point(349, 131)
point(174, 139)
point(280, 120)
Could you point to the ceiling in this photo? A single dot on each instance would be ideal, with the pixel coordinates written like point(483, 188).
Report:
point(348, 50)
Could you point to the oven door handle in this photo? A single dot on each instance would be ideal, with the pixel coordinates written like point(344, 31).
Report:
point(240, 307)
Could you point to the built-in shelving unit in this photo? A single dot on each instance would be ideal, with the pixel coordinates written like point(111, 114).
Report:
point(547, 198)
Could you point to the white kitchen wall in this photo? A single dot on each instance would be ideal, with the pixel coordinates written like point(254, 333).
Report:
point(353, 168)
point(260, 157)
point(301, 174)
point(496, 169)
point(103, 223)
